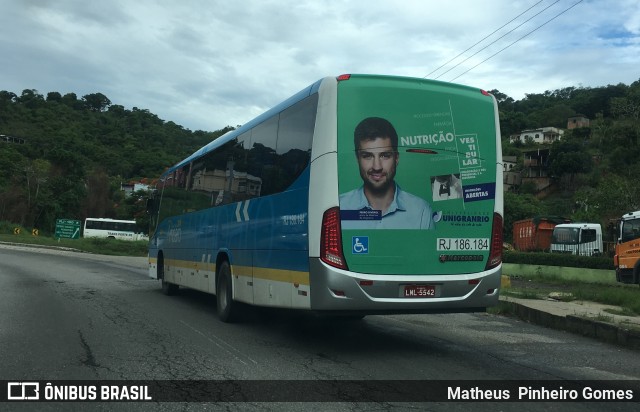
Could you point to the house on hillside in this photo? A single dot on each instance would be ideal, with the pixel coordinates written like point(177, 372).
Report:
point(578, 121)
point(508, 163)
point(536, 170)
point(543, 135)
point(132, 187)
point(510, 177)
point(11, 139)
point(535, 167)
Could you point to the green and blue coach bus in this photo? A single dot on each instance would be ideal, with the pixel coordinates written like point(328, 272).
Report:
point(361, 194)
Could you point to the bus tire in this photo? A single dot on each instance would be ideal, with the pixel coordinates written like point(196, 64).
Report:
point(227, 307)
point(168, 289)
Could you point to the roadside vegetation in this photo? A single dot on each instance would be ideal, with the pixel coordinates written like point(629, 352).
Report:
point(542, 286)
point(558, 259)
point(90, 245)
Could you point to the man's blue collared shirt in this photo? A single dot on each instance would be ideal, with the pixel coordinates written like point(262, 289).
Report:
point(405, 212)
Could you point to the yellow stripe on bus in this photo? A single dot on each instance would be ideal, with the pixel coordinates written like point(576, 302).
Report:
point(282, 275)
point(278, 275)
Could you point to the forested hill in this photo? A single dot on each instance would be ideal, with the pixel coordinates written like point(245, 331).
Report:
point(594, 170)
point(67, 156)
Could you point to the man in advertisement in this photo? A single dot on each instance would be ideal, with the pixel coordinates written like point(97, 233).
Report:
point(380, 203)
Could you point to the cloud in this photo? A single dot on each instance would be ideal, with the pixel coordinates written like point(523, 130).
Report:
point(208, 64)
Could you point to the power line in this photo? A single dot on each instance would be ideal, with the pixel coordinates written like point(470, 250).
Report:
point(484, 38)
point(507, 33)
point(503, 49)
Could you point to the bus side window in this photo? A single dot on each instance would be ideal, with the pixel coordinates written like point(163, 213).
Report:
point(240, 186)
point(262, 156)
point(295, 135)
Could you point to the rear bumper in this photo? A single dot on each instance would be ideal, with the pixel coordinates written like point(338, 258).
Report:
point(338, 290)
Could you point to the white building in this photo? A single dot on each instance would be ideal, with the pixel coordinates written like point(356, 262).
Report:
point(509, 162)
point(131, 188)
point(543, 135)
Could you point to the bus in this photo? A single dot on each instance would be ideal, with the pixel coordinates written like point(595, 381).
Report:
point(361, 194)
point(627, 253)
point(113, 229)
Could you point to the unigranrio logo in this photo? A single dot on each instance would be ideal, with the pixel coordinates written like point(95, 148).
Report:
point(465, 218)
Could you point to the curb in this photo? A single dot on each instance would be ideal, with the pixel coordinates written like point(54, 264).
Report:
point(35, 245)
point(602, 331)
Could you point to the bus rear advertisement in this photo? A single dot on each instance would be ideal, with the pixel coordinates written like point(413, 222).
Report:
point(362, 194)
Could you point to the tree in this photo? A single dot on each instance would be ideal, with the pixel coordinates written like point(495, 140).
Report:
point(71, 100)
point(7, 97)
point(518, 207)
point(54, 97)
point(503, 99)
point(31, 99)
point(98, 202)
point(568, 157)
point(613, 197)
point(96, 102)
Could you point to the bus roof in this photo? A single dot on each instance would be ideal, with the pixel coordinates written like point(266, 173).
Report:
point(306, 92)
point(296, 98)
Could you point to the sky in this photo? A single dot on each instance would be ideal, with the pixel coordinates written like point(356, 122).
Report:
point(207, 64)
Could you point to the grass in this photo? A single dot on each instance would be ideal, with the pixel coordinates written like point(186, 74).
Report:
point(501, 308)
point(622, 312)
point(101, 246)
point(603, 318)
point(627, 297)
point(521, 293)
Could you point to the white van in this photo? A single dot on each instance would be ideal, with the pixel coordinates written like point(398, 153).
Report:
point(584, 239)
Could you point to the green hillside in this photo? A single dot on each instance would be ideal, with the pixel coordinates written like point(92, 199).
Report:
point(65, 157)
point(594, 169)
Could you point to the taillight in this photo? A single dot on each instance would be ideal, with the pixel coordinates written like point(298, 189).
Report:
point(495, 252)
point(331, 239)
point(343, 77)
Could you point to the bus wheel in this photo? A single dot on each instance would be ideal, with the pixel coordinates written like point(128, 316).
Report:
point(227, 308)
point(168, 289)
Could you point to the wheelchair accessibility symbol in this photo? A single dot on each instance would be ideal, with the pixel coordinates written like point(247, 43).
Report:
point(360, 245)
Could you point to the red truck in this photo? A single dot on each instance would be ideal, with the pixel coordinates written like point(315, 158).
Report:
point(535, 234)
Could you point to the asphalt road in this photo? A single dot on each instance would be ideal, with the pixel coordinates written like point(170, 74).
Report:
point(73, 316)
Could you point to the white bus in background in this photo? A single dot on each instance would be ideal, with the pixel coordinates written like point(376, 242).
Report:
point(113, 229)
point(584, 239)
